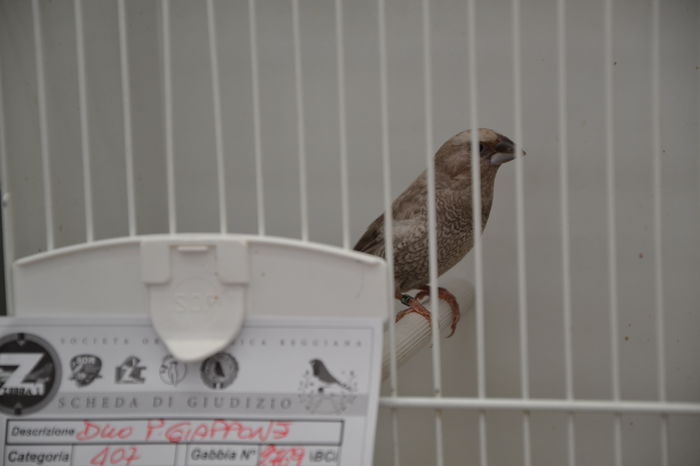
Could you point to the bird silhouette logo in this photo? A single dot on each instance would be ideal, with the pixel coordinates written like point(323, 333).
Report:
point(323, 391)
point(321, 372)
point(219, 371)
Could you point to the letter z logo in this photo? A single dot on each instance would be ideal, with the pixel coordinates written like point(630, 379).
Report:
point(25, 363)
point(30, 373)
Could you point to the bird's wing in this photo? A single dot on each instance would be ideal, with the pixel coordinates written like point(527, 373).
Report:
point(412, 203)
point(409, 210)
point(372, 242)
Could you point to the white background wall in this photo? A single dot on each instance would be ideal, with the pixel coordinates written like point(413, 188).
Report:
point(195, 172)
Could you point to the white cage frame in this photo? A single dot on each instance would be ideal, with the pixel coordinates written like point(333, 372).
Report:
point(525, 404)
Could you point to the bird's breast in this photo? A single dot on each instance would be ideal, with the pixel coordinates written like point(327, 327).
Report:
point(454, 239)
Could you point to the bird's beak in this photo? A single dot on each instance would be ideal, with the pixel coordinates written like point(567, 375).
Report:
point(505, 152)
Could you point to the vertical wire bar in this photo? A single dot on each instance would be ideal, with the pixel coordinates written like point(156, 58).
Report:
point(476, 228)
point(570, 439)
point(656, 183)
point(664, 453)
point(7, 210)
point(617, 438)
point(439, 441)
point(168, 100)
point(483, 440)
point(432, 220)
point(395, 435)
point(432, 227)
point(565, 233)
point(259, 181)
point(386, 182)
point(340, 65)
point(610, 182)
point(527, 444)
point(658, 256)
point(612, 240)
point(520, 222)
point(218, 131)
point(520, 204)
point(388, 219)
point(126, 114)
point(84, 126)
point(476, 201)
point(43, 124)
point(301, 130)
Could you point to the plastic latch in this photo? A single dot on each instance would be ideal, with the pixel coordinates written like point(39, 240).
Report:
point(196, 292)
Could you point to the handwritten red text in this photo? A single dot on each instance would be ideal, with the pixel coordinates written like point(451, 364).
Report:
point(218, 429)
point(93, 431)
point(122, 456)
point(272, 455)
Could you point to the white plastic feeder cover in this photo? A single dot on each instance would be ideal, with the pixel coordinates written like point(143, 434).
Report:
point(197, 293)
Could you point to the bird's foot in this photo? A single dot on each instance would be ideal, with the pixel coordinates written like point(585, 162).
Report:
point(414, 305)
point(449, 298)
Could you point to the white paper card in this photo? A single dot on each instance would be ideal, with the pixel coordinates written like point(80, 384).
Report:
point(81, 392)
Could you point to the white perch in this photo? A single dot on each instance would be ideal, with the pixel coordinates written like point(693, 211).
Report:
point(413, 331)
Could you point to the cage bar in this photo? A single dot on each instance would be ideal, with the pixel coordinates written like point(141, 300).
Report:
point(388, 220)
point(565, 233)
point(126, 115)
point(430, 177)
point(520, 205)
point(476, 200)
point(84, 125)
point(395, 436)
point(658, 239)
point(520, 229)
point(612, 230)
point(301, 131)
point(342, 124)
point(255, 80)
point(476, 229)
point(483, 439)
point(218, 132)
point(43, 124)
point(543, 404)
point(564, 193)
point(386, 184)
point(656, 186)
point(168, 113)
point(432, 227)
point(7, 208)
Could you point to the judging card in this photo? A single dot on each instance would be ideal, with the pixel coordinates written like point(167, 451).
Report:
point(81, 392)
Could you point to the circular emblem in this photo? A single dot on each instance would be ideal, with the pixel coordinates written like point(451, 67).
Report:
point(85, 369)
point(172, 371)
point(219, 371)
point(30, 373)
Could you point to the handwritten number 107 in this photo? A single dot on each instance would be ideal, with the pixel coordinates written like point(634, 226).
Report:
point(122, 456)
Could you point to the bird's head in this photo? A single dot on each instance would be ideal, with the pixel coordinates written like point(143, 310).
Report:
point(494, 150)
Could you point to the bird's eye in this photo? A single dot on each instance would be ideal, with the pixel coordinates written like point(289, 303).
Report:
point(481, 148)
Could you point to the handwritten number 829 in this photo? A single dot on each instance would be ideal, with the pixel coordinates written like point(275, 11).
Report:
point(273, 456)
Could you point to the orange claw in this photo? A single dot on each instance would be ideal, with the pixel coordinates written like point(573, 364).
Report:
point(450, 299)
point(416, 306)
